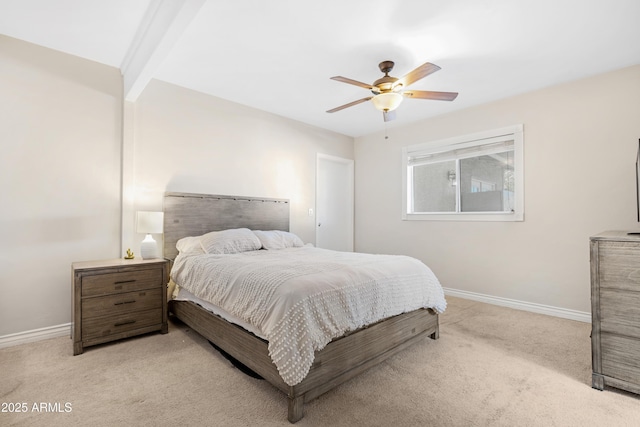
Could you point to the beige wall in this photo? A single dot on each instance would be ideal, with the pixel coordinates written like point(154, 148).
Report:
point(190, 142)
point(581, 140)
point(60, 171)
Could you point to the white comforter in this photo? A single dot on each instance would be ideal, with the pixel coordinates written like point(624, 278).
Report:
point(302, 298)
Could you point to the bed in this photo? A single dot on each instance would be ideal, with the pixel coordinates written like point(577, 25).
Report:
point(187, 214)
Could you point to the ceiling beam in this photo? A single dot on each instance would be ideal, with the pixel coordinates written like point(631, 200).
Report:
point(161, 27)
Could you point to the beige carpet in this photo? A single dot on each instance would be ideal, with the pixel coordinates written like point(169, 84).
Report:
point(492, 366)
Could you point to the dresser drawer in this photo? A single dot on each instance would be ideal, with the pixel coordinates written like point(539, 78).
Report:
point(620, 312)
point(117, 304)
point(117, 282)
point(620, 357)
point(619, 265)
point(104, 326)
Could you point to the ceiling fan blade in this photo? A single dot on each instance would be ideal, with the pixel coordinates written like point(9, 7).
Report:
point(351, 104)
point(351, 82)
point(389, 115)
point(421, 72)
point(427, 94)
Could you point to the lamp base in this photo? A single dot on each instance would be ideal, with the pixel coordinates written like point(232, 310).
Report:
point(149, 248)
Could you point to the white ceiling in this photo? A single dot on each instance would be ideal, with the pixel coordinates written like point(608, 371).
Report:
point(278, 55)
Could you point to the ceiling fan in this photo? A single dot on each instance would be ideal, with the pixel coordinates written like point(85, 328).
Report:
point(388, 92)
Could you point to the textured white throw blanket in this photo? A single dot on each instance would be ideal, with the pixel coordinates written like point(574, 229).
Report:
point(302, 298)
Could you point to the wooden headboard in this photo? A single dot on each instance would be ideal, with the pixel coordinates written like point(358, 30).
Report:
point(188, 214)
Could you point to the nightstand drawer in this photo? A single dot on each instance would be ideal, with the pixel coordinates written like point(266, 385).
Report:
point(121, 303)
point(117, 282)
point(111, 325)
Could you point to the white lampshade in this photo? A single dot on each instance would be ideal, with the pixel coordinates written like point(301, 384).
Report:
point(388, 101)
point(148, 223)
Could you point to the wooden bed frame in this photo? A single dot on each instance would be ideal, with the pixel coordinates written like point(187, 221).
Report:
point(187, 214)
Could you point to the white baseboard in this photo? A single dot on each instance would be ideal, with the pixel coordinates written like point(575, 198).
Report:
point(35, 335)
point(580, 316)
point(565, 313)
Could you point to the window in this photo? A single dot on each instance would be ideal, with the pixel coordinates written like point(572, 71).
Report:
point(470, 178)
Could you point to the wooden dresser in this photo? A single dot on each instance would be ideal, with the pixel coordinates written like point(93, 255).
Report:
point(615, 310)
point(115, 299)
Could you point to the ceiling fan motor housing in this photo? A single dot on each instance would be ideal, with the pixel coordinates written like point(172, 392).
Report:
point(386, 83)
point(383, 84)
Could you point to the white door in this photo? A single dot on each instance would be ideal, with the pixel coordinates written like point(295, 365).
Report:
point(334, 203)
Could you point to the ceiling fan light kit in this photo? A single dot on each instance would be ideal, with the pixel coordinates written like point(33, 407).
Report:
point(388, 101)
point(389, 91)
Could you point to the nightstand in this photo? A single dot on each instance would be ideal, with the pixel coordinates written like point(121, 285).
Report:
point(115, 299)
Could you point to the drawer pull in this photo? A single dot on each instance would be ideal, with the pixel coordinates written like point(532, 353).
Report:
point(118, 285)
point(124, 302)
point(126, 322)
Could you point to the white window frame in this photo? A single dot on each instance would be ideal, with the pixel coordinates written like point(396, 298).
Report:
point(515, 132)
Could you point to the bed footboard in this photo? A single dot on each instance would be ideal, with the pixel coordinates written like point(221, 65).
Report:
point(348, 356)
point(341, 360)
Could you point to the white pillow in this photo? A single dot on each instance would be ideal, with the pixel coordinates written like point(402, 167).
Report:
point(189, 245)
point(277, 239)
point(230, 241)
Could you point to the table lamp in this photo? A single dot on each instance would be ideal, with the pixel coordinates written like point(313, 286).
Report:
point(149, 223)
